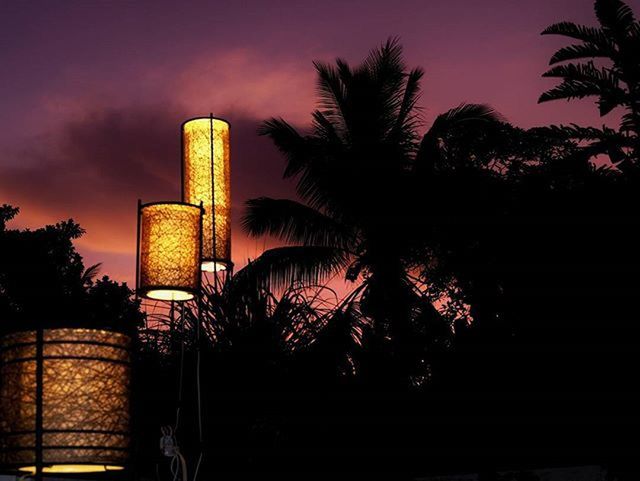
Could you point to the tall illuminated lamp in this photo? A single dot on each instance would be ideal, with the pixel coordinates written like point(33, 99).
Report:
point(64, 401)
point(206, 179)
point(169, 250)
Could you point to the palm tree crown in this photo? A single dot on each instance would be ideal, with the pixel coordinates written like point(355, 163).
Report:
point(362, 173)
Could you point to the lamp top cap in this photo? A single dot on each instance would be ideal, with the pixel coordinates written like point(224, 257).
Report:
point(205, 117)
point(170, 202)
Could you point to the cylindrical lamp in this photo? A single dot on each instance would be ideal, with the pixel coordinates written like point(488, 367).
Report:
point(169, 250)
point(206, 179)
point(64, 400)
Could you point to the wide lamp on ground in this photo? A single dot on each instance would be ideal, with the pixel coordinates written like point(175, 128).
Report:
point(64, 400)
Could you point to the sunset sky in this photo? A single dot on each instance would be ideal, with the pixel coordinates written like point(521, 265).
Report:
point(93, 93)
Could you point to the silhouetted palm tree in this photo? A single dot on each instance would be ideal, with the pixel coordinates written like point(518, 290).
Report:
point(616, 84)
point(362, 175)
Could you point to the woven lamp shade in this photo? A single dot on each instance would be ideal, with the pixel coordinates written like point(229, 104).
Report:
point(206, 179)
point(64, 400)
point(169, 250)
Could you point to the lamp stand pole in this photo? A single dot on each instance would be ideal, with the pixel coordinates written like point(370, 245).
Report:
point(39, 396)
point(198, 380)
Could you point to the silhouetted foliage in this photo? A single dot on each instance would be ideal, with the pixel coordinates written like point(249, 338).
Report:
point(253, 348)
point(531, 246)
point(43, 282)
point(615, 84)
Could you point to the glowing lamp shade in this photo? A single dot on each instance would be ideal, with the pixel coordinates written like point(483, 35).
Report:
point(64, 400)
point(206, 178)
point(169, 248)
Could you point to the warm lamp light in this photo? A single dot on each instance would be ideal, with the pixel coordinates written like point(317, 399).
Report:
point(169, 250)
point(206, 179)
point(64, 400)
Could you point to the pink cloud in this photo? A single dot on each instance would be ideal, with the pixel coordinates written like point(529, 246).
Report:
point(247, 81)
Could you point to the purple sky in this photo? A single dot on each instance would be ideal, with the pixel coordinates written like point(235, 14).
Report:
point(92, 92)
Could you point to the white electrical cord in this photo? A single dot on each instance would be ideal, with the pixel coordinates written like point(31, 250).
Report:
point(169, 447)
point(195, 473)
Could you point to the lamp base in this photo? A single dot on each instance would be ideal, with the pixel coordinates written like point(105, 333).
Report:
point(73, 468)
point(213, 266)
point(169, 295)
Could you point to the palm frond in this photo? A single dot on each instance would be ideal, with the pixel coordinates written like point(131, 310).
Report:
point(473, 116)
point(609, 100)
point(383, 77)
point(325, 129)
point(282, 267)
point(344, 71)
point(464, 114)
point(341, 338)
point(634, 35)
point(603, 140)
point(571, 89)
point(289, 142)
point(579, 51)
point(588, 78)
point(332, 91)
point(580, 32)
point(325, 165)
point(577, 132)
point(294, 222)
point(615, 15)
point(584, 72)
point(629, 123)
point(90, 273)
point(407, 114)
point(314, 185)
point(584, 80)
point(385, 63)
